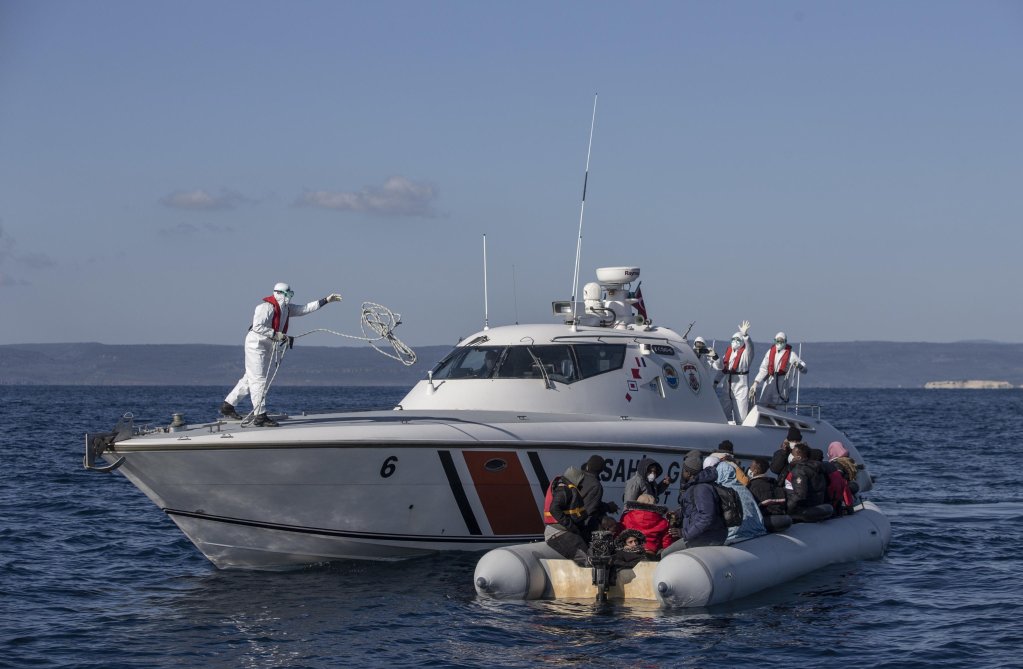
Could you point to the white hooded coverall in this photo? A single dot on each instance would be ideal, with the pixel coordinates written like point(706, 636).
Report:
point(736, 368)
point(777, 387)
point(258, 348)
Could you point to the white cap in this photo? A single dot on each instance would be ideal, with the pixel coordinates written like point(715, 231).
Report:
point(281, 287)
point(711, 461)
point(699, 340)
point(737, 335)
point(781, 335)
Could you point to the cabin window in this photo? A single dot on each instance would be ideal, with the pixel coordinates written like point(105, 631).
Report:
point(469, 362)
point(563, 363)
point(597, 359)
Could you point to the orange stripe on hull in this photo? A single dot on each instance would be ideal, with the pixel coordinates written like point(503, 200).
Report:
point(504, 491)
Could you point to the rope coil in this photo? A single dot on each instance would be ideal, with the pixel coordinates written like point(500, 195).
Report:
point(381, 321)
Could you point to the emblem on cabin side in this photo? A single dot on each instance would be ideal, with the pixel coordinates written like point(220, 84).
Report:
point(670, 376)
point(692, 376)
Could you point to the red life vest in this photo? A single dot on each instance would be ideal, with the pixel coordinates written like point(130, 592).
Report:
point(729, 365)
point(277, 315)
point(784, 365)
point(575, 512)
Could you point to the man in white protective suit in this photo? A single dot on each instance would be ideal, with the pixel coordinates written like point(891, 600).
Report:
point(706, 354)
point(735, 366)
point(778, 372)
point(269, 329)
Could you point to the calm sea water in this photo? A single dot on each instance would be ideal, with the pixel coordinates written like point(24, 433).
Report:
point(93, 575)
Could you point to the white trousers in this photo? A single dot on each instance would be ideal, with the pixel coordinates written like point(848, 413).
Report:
point(258, 350)
point(738, 394)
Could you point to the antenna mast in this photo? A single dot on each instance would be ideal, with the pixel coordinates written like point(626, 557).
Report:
point(486, 308)
point(582, 210)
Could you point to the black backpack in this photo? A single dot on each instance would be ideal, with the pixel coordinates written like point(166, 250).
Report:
point(731, 505)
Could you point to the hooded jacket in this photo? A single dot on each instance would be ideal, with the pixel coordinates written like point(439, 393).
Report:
point(702, 522)
point(593, 498)
point(805, 486)
point(763, 488)
point(565, 499)
point(752, 521)
point(638, 484)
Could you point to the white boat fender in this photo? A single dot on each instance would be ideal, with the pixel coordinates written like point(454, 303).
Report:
point(709, 575)
point(515, 572)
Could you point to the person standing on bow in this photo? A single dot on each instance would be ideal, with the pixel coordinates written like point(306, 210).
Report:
point(778, 371)
point(735, 365)
point(269, 328)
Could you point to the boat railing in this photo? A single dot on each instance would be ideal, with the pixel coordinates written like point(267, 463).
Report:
point(807, 410)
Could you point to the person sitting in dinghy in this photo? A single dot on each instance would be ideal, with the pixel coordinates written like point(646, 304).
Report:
point(648, 517)
point(780, 461)
point(752, 525)
point(629, 553)
point(838, 455)
point(645, 481)
point(840, 490)
point(726, 453)
point(806, 488)
point(763, 487)
point(592, 491)
point(564, 517)
point(700, 517)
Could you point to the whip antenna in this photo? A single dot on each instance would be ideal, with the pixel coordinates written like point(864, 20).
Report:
point(582, 209)
point(486, 320)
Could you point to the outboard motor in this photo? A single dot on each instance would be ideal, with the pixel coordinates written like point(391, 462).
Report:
point(602, 551)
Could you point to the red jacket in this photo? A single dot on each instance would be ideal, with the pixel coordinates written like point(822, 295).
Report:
point(652, 524)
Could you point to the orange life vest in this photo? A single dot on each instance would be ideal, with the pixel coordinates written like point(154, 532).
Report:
point(277, 315)
point(784, 363)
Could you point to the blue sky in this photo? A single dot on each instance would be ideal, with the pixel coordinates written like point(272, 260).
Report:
point(841, 171)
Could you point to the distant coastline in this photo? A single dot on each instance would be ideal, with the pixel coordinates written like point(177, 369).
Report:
point(972, 384)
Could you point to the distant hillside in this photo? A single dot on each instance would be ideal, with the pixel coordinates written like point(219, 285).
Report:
point(202, 364)
point(831, 365)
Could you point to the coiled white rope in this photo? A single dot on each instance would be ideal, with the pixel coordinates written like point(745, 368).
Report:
point(380, 321)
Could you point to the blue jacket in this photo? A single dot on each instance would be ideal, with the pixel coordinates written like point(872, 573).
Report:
point(702, 522)
point(752, 522)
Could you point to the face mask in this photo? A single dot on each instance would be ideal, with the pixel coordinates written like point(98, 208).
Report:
point(779, 345)
point(749, 473)
point(651, 476)
point(790, 457)
point(283, 298)
point(735, 344)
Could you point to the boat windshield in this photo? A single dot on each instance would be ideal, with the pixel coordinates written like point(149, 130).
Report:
point(565, 363)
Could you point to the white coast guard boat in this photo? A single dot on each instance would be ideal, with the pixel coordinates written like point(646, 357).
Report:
point(463, 462)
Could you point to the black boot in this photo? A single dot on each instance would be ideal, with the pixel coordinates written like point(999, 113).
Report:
point(227, 411)
point(262, 420)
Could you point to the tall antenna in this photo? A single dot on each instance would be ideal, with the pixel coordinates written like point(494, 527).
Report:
point(582, 210)
point(486, 307)
point(515, 295)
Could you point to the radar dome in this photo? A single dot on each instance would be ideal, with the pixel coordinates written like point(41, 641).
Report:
point(619, 275)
